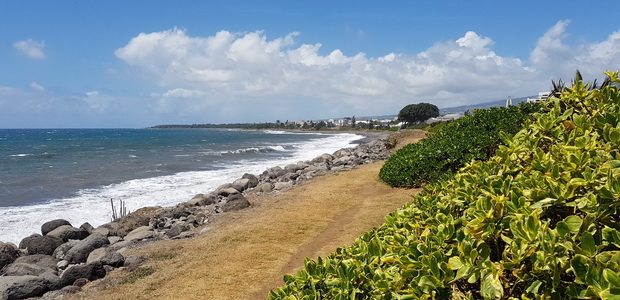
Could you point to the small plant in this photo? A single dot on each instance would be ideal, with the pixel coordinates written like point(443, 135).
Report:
point(137, 274)
point(122, 210)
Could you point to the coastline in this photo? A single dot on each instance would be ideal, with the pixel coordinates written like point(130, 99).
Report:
point(204, 214)
point(236, 257)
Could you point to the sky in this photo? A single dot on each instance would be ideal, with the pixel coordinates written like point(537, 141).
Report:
point(135, 64)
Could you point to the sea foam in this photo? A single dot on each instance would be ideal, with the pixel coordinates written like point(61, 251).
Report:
point(93, 205)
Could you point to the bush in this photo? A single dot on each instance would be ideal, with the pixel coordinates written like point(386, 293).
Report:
point(474, 136)
point(539, 220)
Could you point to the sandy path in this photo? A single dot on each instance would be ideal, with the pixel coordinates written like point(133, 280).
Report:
point(246, 253)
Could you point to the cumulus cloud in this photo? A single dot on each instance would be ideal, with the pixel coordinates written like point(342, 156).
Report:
point(37, 87)
point(31, 48)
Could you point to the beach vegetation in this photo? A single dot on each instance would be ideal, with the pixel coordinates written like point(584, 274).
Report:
point(455, 143)
point(537, 220)
point(416, 113)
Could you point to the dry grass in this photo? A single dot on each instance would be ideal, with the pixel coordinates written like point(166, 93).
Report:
point(246, 253)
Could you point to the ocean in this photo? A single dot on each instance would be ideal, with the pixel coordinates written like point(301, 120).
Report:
point(72, 174)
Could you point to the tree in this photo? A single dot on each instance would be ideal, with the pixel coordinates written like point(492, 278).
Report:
point(416, 113)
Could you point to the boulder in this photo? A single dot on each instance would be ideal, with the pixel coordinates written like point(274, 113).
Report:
point(176, 230)
point(140, 217)
point(203, 200)
point(292, 168)
point(21, 269)
point(61, 251)
point(79, 253)
point(133, 261)
point(113, 259)
point(88, 271)
point(89, 228)
point(105, 229)
point(264, 187)
point(241, 184)
point(53, 281)
point(235, 202)
point(43, 260)
point(53, 224)
point(68, 232)
point(96, 255)
point(140, 233)
point(225, 192)
point(8, 254)
point(253, 180)
point(20, 287)
point(37, 244)
point(282, 185)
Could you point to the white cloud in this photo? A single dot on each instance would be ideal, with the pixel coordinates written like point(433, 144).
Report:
point(31, 48)
point(37, 87)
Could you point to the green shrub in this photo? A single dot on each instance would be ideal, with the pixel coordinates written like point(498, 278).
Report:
point(474, 136)
point(539, 220)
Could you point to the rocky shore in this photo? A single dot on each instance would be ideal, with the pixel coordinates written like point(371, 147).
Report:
point(63, 258)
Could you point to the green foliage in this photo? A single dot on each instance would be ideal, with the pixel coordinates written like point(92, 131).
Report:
point(415, 113)
point(474, 136)
point(539, 220)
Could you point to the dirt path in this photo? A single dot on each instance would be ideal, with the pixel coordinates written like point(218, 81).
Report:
point(245, 254)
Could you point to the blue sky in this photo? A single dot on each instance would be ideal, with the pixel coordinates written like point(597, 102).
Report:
point(140, 63)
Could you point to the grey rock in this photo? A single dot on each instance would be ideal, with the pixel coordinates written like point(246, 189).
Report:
point(133, 261)
point(264, 187)
point(79, 252)
point(253, 180)
point(114, 239)
point(20, 287)
point(101, 230)
point(43, 260)
point(241, 184)
point(53, 224)
point(140, 233)
point(96, 255)
point(53, 281)
point(113, 259)
point(63, 264)
point(68, 232)
point(235, 202)
point(203, 200)
point(176, 230)
point(8, 254)
point(21, 269)
point(89, 228)
point(61, 251)
point(37, 244)
point(88, 271)
point(278, 186)
point(227, 191)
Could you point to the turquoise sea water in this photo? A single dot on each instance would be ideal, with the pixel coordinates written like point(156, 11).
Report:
point(73, 173)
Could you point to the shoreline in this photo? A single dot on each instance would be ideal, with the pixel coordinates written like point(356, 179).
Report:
point(228, 202)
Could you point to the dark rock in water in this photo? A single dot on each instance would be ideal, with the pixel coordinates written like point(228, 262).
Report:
point(8, 254)
point(235, 202)
point(253, 180)
point(37, 244)
point(89, 271)
point(21, 287)
point(21, 269)
point(67, 232)
point(79, 252)
point(86, 226)
point(53, 224)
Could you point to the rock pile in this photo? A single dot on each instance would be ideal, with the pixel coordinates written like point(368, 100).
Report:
point(63, 258)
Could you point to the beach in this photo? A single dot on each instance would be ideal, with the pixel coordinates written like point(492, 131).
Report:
point(244, 254)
